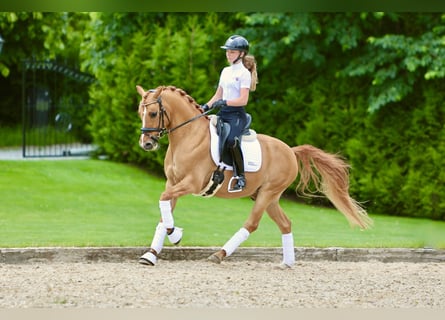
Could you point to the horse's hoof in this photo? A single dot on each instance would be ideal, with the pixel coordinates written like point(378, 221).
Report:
point(148, 259)
point(145, 262)
point(214, 258)
point(176, 236)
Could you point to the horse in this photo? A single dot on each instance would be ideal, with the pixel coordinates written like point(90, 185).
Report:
point(190, 169)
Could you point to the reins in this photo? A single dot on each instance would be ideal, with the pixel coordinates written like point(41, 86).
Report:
point(161, 126)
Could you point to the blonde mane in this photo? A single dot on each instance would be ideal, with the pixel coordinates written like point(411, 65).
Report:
point(179, 91)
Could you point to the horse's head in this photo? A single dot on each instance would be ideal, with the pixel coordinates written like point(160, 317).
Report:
point(157, 114)
point(152, 114)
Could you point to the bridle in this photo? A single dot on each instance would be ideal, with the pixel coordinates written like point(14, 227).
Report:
point(161, 128)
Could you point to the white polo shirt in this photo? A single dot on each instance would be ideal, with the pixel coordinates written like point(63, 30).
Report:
point(232, 79)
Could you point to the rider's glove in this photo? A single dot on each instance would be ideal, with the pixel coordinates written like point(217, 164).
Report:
point(219, 104)
point(205, 107)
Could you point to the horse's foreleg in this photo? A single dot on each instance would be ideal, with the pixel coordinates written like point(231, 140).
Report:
point(167, 203)
point(151, 256)
point(166, 227)
point(174, 234)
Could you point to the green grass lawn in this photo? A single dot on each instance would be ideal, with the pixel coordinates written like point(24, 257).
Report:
point(101, 203)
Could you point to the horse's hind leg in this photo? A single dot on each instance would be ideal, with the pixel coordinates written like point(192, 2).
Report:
point(261, 203)
point(277, 214)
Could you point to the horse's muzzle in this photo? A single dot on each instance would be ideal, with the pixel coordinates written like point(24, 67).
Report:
point(148, 143)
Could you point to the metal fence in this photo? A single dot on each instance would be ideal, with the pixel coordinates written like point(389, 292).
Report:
point(55, 110)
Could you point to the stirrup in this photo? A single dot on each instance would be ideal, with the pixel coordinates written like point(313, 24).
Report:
point(236, 187)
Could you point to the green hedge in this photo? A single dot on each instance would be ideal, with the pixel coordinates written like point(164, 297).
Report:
point(395, 152)
point(368, 86)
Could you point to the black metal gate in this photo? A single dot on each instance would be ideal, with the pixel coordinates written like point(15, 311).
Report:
point(55, 110)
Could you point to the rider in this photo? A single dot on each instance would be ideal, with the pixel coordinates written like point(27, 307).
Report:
point(231, 97)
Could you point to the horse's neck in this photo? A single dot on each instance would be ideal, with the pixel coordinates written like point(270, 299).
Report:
point(191, 136)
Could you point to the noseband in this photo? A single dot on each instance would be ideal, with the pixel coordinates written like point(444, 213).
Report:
point(161, 128)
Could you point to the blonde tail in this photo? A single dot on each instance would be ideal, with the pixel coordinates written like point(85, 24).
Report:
point(332, 180)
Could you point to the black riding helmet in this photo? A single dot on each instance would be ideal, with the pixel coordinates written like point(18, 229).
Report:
point(236, 42)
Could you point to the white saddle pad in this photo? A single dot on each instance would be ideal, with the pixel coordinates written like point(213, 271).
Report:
point(249, 145)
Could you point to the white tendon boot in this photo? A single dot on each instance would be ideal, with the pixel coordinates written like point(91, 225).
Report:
point(168, 221)
point(288, 250)
point(151, 256)
point(234, 242)
point(176, 236)
point(166, 213)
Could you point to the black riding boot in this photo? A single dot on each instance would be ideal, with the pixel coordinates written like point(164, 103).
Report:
point(238, 167)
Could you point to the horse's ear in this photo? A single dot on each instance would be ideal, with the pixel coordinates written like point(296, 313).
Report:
point(140, 90)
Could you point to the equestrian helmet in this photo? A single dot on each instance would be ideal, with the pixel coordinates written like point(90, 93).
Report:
point(236, 42)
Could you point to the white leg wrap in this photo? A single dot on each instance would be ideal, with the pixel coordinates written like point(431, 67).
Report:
point(166, 213)
point(158, 239)
point(239, 237)
point(156, 244)
point(288, 249)
point(175, 236)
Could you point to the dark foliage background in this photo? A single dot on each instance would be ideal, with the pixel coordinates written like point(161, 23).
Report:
point(368, 86)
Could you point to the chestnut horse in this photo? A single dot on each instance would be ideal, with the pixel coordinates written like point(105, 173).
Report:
point(189, 169)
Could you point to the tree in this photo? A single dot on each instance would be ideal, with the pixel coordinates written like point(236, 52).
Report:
point(150, 49)
point(42, 35)
point(366, 85)
point(353, 83)
point(396, 62)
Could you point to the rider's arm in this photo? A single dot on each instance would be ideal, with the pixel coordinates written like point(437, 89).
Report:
point(242, 100)
point(216, 96)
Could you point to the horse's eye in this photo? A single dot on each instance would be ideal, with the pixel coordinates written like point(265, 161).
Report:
point(153, 114)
